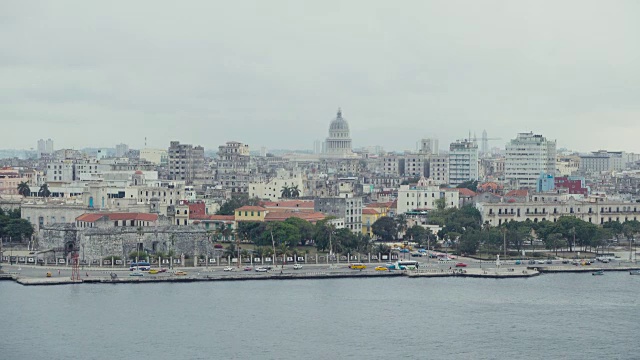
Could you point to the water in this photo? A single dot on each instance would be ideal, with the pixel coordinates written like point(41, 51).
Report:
point(570, 316)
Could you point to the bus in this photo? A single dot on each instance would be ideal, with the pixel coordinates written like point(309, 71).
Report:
point(358, 266)
point(405, 265)
point(142, 266)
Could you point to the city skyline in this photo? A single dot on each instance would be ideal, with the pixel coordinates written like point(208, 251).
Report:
point(73, 73)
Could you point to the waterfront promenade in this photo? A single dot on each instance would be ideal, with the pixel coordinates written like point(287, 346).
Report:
point(36, 275)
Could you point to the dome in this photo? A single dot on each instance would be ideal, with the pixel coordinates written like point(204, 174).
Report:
point(339, 123)
point(138, 172)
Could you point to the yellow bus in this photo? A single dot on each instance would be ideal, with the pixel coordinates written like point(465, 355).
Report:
point(358, 266)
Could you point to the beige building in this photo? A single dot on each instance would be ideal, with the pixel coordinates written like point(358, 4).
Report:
point(595, 211)
point(424, 196)
point(9, 180)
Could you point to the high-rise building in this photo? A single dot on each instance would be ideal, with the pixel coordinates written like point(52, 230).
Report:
point(45, 147)
point(527, 156)
point(49, 146)
point(439, 168)
point(186, 162)
point(121, 149)
point(428, 146)
point(42, 147)
point(463, 162)
point(233, 166)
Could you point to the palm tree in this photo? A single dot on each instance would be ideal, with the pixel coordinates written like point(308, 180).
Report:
point(23, 189)
point(44, 191)
point(295, 192)
point(285, 192)
point(401, 221)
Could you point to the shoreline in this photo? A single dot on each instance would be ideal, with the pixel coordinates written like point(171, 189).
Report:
point(503, 273)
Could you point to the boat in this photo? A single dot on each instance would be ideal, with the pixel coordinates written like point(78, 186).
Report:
point(634, 272)
point(599, 272)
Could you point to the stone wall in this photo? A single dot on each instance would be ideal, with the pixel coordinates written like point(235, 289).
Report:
point(94, 243)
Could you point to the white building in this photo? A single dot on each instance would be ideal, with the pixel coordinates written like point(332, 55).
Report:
point(463, 162)
point(60, 172)
point(121, 150)
point(595, 211)
point(155, 156)
point(602, 161)
point(272, 190)
point(439, 168)
point(527, 156)
point(424, 196)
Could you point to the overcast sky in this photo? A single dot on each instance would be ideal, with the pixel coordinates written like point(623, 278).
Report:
point(273, 73)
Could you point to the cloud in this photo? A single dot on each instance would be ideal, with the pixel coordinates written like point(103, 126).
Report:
point(273, 73)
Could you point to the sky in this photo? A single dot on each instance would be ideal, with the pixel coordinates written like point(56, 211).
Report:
point(273, 73)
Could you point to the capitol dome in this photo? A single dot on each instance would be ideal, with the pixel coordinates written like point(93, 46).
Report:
point(338, 144)
point(339, 123)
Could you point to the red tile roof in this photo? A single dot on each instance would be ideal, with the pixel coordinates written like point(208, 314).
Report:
point(284, 215)
point(205, 217)
point(369, 211)
point(294, 204)
point(251, 208)
point(380, 204)
point(518, 193)
point(466, 192)
point(92, 217)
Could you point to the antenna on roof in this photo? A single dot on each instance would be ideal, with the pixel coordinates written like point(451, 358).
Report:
point(145, 141)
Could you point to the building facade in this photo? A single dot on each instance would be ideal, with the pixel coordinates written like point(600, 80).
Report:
point(424, 196)
point(527, 156)
point(186, 162)
point(338, 144)
point(347, 208)
point(463, 162)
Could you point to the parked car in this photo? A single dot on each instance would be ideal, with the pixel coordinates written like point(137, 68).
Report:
point(539, 261)
point(518, 262)
point(531, 262)
point(565, 261)
point(381, 268)
point(461, 264)
point(261, 269)
point(181, 273)
point(153, 271)
point(549, 261)
point(136, 273)
point(247, 268)
point(297, 266)
point(228, 268)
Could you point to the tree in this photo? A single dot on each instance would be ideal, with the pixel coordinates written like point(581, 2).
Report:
point(236, 201)
point(230, 251)
point(554, 241)
point(385, 228)
point(305, 229)
point(285, 193)
point(470, 242)
point(418, 234)
point(401, 223)
point(44, 191)
point(471, 185)
point(23, 189)
point(295, 192)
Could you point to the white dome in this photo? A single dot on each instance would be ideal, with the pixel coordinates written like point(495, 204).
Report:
point(339, 123)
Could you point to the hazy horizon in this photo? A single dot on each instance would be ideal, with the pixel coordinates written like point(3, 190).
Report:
point(274, 73)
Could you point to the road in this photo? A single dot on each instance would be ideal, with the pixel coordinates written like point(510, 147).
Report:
point(88, 272)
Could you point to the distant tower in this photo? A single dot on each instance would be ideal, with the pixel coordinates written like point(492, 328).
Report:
point(484, 148)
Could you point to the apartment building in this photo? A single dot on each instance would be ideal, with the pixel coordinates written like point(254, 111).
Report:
point(526, 157)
